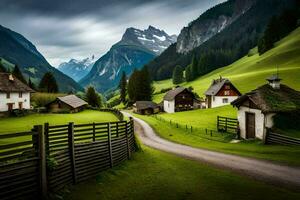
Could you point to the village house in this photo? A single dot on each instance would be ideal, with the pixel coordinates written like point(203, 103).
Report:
point(70, 103)
point(178, 99)
point(221, 92)
point(257, 109)
point(145, 107)
point(14, 94)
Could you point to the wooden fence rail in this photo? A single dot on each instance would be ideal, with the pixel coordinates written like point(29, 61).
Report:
point(226, 124)
point(58, 155)
point(274, 138)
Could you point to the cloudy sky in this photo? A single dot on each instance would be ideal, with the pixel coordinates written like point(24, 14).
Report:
point(65, 29)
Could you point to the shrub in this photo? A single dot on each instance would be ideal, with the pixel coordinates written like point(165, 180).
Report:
point(42, 99)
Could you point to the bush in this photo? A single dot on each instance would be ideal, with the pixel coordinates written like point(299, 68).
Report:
point(42, 99)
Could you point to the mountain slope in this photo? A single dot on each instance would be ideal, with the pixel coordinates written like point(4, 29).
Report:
point(225, 47)
point(77, 69)
point(251, 71)
point(135, 49)
point(18, 50)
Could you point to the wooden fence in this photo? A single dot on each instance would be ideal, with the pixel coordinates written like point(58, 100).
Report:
point(56, 156)
point(226, 124)
point(274, 138)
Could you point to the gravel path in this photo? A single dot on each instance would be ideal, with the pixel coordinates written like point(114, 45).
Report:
point(273, 173)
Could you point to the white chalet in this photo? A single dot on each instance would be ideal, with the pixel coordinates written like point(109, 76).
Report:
point(221, 92)
point(13, 93)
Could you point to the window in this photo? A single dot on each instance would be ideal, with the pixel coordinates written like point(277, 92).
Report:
point(10, 106)
point(227, 93)
point(225, 100)
point(7, 95)
point(20, 105)
point(20, 94)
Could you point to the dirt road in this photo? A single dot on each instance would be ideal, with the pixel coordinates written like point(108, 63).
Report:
point(273, 173)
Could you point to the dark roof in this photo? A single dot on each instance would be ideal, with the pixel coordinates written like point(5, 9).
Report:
point(145, 105)
point(216, 85)
point(14, 85)
point(268, 99)
point(72, 100)
point(171, 94)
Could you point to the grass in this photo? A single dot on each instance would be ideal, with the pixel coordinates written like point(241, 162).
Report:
point(26, 123)
point(251, 71)
point(201, 119)
point(152, 174)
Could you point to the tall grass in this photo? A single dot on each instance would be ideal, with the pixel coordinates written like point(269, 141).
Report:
point(41, 99)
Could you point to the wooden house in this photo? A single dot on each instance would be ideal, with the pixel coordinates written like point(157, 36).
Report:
point(70, 103)
point(221, 92)
point(257, 109)
point(145, 107)
point(178, 99)
point(14, 94)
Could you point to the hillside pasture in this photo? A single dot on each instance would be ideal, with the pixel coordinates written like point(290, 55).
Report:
point(252, 70)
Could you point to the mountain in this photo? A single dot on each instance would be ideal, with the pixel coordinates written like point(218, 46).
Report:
point(136, 48)
point(77, 69)
point(16, 49)
point(220, 36)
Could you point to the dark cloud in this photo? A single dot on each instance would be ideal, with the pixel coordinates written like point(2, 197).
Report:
point(64, 29)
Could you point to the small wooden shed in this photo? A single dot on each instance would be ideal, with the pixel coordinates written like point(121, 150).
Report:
point(145, 107)
point(70, 103)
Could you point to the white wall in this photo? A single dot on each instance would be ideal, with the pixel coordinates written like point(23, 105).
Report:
point(14, 98)
point(217, 101)
point(261, 121)
point(169, 106)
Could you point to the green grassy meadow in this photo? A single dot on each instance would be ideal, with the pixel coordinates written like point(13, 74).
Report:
point(201, 119)
point(26, 123)
point(251, 71)
point(152, 174)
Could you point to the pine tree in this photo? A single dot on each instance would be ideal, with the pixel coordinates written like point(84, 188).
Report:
point(18, 74)
point(48, 83)
point(123, 88)
point(31, 84)
point(93, 98)
point(188, 74)
point(2, 68)
point(177, 75)
point(194, 67)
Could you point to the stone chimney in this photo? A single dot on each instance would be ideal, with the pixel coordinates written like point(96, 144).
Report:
point(274, 81)
point(10, 77)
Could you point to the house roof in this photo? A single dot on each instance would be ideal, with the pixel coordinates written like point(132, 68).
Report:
point(216, 86)
point(171, 94)
point(72, 100)
point(14, 85)
point(268, 99)
point(145, 104)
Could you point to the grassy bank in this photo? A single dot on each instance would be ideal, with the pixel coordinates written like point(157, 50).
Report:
point(156, 175)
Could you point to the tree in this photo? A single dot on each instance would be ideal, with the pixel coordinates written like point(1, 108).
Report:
point(93, 98)
point(18, 74)
point(123, 88)
point(177, 75)
point(140, 86)
point(2, 68)
point(31, 84)
point(194, 67)
point(48, 83)
point(188, 74)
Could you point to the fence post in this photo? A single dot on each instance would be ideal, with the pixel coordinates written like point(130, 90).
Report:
point(265, 136)
point(117, 129)
point(46, 133)
point(72, 150)
point(226, 124)
point(109, 145)
point(94, 132)
point(42, 160)
point(127, 140)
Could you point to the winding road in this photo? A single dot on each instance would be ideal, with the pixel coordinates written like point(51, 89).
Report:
point(266, 171)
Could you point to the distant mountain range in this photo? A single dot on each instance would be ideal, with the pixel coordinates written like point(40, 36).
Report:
point(136, 48)
point(219, 36)
point(77, 69)
point(16, 49)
